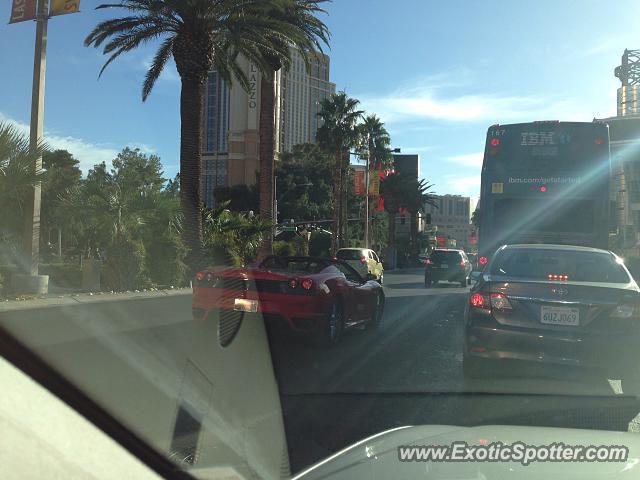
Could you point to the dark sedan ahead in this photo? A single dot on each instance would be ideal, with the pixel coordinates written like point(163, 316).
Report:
point(448, 265)
point(554, 305)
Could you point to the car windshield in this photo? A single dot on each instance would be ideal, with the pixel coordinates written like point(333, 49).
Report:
point(239, 236)
point(350, 254)
point(576, 265)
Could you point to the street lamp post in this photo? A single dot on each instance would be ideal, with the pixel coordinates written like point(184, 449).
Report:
point(30, 281)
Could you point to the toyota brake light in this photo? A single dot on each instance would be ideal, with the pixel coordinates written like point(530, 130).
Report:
point(478, 300)
point(499, 301)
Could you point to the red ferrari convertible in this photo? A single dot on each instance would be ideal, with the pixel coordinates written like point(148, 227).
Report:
point(313, 296)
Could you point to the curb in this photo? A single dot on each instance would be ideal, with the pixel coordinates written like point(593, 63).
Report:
point(87, 298)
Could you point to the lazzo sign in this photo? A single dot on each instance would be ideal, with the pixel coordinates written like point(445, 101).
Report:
point(253, 87)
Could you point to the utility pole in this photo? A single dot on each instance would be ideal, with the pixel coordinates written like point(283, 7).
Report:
point(31, 282)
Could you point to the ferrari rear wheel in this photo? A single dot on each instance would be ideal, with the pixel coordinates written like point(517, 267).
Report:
point(331, 331)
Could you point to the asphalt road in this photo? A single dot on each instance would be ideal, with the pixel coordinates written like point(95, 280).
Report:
point(410, 372)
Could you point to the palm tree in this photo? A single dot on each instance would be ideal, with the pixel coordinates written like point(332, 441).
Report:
point(305, 33)
point(337, 134)
point(17, 178)
point(418, 196)
point(405, 192)
point(375, 148)
point(392, 191)
point(475, 217)
point(200, 35)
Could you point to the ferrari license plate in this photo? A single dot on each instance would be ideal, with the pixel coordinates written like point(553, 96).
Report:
point(244, 305)
point(560, 316)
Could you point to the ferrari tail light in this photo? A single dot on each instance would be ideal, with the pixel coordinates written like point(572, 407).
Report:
point(293, 283)
point(483, 260)
point(429, 261)
point(307, 284)
point(461, 263)
point(200, 276)
point(363, 259)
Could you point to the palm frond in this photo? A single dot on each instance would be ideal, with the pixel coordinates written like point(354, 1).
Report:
point(157, 66)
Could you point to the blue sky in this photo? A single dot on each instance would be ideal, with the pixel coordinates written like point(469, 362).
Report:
point(437, 73)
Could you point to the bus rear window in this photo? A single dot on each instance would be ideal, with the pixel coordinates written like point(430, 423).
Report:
point(544, 216)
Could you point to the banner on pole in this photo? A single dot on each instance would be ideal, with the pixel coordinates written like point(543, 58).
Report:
point(374, 183)
point(63, 7)
point(358, 179)
point(23, 10)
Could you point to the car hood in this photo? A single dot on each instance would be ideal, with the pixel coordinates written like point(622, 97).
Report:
point(377, 457)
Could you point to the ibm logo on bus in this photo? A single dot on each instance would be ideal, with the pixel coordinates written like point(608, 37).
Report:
point(544, 138)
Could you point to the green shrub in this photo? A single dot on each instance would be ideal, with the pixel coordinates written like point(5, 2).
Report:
point(301, 245)
point(283, 248)
point(124, 266)
point(165, 260)
point(320, 244)
point(62, 275)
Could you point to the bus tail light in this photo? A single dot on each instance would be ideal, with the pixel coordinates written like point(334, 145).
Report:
point(429, 261)
point(543, 188)
point(495, 142)
point(599, 141)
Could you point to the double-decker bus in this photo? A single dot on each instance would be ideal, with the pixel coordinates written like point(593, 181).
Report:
point(545, 182)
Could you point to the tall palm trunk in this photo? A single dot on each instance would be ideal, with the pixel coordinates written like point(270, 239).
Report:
point(337, 209)
point(267, 116)
point(392, 228)
point(191, 98)
point(413, 235)
point(345, 197)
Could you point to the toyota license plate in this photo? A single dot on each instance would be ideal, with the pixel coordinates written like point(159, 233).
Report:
point(244, 305)
point(560, 316)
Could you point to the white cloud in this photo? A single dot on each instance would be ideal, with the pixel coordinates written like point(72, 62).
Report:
point(467, 159)
point(87, 153)
point(426, 148)
point(428, 102)
point(467, 185)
